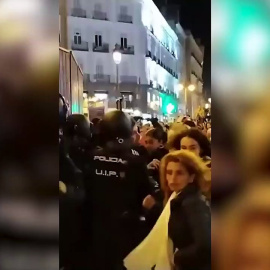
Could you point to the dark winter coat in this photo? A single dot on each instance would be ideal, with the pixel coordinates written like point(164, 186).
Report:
point(190, 230)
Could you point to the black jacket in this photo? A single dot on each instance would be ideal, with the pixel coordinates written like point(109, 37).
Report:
point(116, 184)
point(190, 230)
point(142, 151)
point(158, 154)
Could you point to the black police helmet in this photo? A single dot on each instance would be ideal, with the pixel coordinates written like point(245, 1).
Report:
point(116, 125)
point(77, 125)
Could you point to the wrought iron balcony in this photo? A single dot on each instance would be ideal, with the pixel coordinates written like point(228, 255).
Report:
point(99, 15)
point(128, 79)
point(78, 12)
point(148, 54)
point(128, 50)
point(102, 78)
point(125, 18)
point(83, 46)
point(104, 48)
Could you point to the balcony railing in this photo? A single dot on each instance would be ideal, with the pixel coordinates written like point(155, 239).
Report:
point(148, 54)
point(102, 78)
point(99, 15)
point(125, 18)
point(83, 46)
point(128, 50)
point(128, 79)
point(104, 48)
point(78, 12)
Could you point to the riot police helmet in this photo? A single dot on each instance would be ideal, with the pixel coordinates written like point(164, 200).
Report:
point(116, 126)
point(77, 125)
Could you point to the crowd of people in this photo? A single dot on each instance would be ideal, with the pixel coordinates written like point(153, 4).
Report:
point(134, 196)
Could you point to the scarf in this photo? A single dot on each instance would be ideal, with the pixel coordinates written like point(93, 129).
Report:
point(156, 249)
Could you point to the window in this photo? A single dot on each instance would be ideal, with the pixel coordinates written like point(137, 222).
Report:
point(138, 96)
point(98, 7)
point(127, 97)
point(77, 38)
point(148, 97)
point(123, 10)
point(98, 40)
point(76, 4)
point(99, 69)
point(124, 42)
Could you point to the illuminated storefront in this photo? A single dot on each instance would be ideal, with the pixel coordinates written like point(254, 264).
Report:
point(95, 106)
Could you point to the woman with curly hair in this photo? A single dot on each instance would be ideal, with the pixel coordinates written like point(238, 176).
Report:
point(195, 141)
point(181, 238)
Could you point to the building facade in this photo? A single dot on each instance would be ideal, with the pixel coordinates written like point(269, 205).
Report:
point(63, 35)
point(194, 53)
point(152, 57)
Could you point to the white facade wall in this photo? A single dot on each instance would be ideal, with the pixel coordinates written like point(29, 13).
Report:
point(194, 56)
point(148, 32)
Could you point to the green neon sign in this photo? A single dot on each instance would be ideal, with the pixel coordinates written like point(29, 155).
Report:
point(169, 104)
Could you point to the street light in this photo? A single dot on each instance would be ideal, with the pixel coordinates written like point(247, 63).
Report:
point(190, 87)
point(117, 57)
point(209, 100)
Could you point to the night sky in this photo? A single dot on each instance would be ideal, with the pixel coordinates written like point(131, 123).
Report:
point(195, 15)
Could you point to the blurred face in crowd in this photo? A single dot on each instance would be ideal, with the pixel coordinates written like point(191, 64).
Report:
point(177, 176)
point(190, 145)
point(152, 144)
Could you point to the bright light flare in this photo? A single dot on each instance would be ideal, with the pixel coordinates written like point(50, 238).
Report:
point(191, 87)
point(117, 57)
point(18, 8)
point(181, 87)
point(254, 45)
point(170, 108)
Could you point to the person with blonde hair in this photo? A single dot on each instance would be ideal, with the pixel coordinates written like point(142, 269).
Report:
point(181, 238)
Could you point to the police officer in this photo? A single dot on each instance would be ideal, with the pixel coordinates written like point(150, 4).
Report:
point(116, 186)
point(69, 173)
point(71, 244)
point(77, 133)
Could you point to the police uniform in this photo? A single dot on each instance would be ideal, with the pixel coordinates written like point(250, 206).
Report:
point(116, 185)
point(71, 240)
